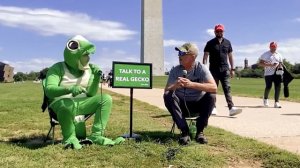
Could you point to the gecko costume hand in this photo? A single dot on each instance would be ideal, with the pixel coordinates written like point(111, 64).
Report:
point(76, 90)
point(72, 88)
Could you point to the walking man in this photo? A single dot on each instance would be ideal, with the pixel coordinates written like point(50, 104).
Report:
point(219, 51)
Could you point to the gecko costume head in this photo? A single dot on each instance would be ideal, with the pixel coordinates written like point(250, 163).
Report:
point(76, 48)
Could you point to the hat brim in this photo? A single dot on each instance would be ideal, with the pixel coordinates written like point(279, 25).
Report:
point(219, 29)
point(182, 49)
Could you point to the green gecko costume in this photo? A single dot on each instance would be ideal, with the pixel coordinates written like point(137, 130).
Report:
point(72, 88)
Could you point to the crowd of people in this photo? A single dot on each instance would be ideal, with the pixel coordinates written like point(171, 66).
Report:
point(72, 87)
point(191, 87)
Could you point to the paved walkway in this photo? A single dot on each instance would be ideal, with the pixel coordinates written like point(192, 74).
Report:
point(279, 127)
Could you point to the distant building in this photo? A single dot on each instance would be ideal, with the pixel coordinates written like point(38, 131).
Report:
point(246, 65)
point(6, 73)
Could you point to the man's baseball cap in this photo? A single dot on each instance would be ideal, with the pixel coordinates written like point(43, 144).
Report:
point(273, 44)
point(187, 48)
point(219, 27)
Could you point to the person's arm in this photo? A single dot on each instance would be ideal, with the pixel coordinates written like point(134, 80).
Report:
point(208, 86)
point(231, 62)
point(264, 63)
point(205, 56)
point(52, 88)
point(172, 87)
point(94, 81)
point(173, 82)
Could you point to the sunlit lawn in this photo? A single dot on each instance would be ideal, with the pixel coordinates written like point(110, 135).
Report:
point(23, 127)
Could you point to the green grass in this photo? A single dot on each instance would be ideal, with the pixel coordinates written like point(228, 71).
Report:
point(247, 87)
point(23, 126)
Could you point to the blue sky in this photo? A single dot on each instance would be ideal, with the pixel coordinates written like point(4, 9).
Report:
point(34, 32)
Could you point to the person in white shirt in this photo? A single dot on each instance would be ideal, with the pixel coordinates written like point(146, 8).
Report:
point(271, 60)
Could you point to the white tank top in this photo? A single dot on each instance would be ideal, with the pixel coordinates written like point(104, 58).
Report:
point(69, 80)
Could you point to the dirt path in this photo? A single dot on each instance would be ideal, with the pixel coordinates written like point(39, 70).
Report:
point(279, 127)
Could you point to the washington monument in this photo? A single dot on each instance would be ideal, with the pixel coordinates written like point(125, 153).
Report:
point(152, 50)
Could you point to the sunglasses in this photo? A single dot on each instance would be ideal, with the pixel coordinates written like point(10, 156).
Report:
point(219, 31)
point(182, 53)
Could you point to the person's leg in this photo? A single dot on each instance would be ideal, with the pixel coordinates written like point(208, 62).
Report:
point(203, 109)
point(101, 105)
point(216, 78)
point(268, 82)
point(277, 87)
point(225, 81)
point(66, 110)
point(172, 103)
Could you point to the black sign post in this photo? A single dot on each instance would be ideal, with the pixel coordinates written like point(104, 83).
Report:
point(132, 75)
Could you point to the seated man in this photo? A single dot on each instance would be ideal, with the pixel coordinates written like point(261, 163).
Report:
point(72, 87)
point(190, 91)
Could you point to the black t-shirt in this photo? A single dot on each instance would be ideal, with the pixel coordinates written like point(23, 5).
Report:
point(218, 54)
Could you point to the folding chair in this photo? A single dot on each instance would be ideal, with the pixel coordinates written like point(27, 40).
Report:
point(190, 119)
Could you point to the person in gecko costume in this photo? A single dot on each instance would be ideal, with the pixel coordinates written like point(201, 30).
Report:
point(72, 87)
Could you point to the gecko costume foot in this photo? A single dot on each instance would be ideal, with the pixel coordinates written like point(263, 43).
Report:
point(72, 143)
point(101, 140)
point(119, 140)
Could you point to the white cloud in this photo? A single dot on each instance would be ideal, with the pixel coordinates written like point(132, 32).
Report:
point(105, 57)
point(50, 22)
point(35, 64)
point(171, 43)
point(210, 32)
point(297, 19)
point(287, 48)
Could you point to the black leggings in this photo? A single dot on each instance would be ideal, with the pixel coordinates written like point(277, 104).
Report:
point(277, 84)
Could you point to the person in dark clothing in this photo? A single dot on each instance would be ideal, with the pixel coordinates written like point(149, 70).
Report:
point(219, 51)
point(189, 92)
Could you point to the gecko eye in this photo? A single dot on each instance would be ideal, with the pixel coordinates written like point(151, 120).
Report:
point(73, 45)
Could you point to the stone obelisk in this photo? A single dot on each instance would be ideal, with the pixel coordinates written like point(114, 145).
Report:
point(152, 50)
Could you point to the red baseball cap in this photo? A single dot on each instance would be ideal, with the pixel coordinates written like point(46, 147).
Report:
point(273, 44)
point(219, 27)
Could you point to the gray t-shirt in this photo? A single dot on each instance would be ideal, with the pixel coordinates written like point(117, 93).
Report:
point(199, 73)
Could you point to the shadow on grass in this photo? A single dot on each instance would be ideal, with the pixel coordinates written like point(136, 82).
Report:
point(32, 142)
point(164, 138)
point(160, 137)
point(224, 116)
point(252, 106)
point(162, 116)
point(292, 114)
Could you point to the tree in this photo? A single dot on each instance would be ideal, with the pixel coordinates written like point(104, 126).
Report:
point(296, 69)
point(32, 75)
point(20, 76)
point(288, 65)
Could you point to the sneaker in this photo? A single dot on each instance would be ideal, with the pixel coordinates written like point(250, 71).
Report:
point(214, 111)
point(277, 105)
point(184, 140)
point(234, 111)
point(201, 139)
point(266, 102)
